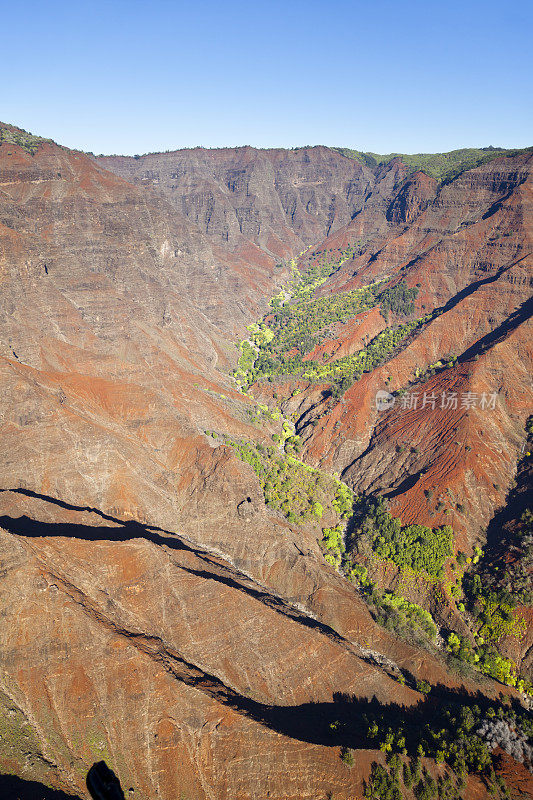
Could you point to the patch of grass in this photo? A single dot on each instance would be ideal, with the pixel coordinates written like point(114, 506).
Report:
point(18, 739)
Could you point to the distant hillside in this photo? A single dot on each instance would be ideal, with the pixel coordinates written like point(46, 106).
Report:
point(28, 142)
point(444, 167)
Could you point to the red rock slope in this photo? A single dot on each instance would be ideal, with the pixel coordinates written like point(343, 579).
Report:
point(143, 621)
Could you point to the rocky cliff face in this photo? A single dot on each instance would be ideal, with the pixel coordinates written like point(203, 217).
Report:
point(204, 650)
point(281, 200)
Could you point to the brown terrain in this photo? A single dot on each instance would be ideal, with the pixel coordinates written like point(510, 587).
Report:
point(156, 614)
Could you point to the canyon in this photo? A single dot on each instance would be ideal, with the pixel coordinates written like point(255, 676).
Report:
point(157, 613)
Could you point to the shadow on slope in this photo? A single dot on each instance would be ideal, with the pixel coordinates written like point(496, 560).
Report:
point(14, 788)
point(221, 570)
point(310, 722)
point(103, 784)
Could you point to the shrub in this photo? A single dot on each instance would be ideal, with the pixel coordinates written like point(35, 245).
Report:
point(346, 757)
point(413, 547)
point(302, 493)
point(397, 613)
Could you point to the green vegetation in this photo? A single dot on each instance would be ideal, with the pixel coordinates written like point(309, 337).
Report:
point(498, 582)
point(453, 741)
point(399, 299)
point(413, 547)
point(444, 167)
point(431, 369)
point(297, 329)
point(347, 756)
point(398, 614)
point(385, 783)
point(422, 550)
point(269, 363)
point(27, 141)
point(17, 735)
point(246, 358)
point(262, 414)
point(365, 360)
point(518, 573)
point(494, 610)
point(333, 543)
point(392, 611)
point(458, 736)
point(300, 492)
point(297, 324)
point(323, 265)
point(340, 387)
point(453, 735)
point(497, 614)
point(277, 346)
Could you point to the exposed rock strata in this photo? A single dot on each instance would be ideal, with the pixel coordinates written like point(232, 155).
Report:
point(156, 614)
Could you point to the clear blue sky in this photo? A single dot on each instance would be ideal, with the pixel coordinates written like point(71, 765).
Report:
point(132, 77)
